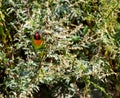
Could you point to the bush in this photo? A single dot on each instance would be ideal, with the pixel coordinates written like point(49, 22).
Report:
point(80, 56)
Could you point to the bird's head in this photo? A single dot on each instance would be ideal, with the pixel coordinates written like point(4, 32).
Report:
point(37, 35)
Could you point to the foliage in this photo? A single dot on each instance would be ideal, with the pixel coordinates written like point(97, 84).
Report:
point(80, 56)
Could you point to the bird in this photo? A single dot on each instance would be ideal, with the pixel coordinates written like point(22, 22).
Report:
point(37, 40)
point(39, 44)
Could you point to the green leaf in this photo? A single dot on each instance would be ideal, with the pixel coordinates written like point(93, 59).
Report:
point(75, 38)
point(85, 30)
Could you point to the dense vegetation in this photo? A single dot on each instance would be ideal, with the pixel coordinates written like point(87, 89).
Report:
point(80, 57)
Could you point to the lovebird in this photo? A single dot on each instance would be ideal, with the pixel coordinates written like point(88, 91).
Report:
point(37, 40)
point(39, 45)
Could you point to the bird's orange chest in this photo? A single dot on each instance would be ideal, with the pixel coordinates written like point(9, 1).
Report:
point(37, 42)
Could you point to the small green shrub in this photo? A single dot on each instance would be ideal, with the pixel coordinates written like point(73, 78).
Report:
point(81, 53)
